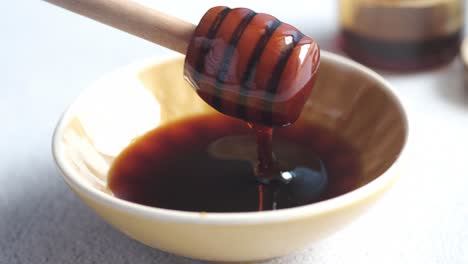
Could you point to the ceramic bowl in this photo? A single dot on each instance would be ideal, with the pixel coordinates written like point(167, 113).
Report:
point(348, 98)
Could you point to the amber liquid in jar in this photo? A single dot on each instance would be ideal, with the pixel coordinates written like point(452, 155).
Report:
point(401, 35)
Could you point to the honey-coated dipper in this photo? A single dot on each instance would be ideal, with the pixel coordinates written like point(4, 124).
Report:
point(244, 64)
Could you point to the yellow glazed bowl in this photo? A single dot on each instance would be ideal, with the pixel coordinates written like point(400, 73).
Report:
point(348, 98)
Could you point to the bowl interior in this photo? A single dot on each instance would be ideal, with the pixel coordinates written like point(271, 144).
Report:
point(128, 102)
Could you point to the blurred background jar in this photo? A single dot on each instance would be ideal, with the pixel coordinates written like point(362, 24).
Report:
point(401, 35)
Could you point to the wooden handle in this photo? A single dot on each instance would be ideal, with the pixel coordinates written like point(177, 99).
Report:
point(136, 19)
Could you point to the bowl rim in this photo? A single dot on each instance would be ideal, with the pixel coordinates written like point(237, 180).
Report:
point(73, 179)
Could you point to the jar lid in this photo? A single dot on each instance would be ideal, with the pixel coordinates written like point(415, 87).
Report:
point(403, 22)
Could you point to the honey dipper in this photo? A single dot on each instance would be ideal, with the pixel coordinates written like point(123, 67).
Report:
point(244, 64)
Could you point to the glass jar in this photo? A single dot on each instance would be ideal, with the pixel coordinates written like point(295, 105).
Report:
point(401, 35)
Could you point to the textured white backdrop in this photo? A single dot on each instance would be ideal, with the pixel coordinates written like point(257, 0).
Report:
point(48, 56)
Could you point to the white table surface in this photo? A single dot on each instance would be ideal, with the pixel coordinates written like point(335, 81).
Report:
point(48, 56)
